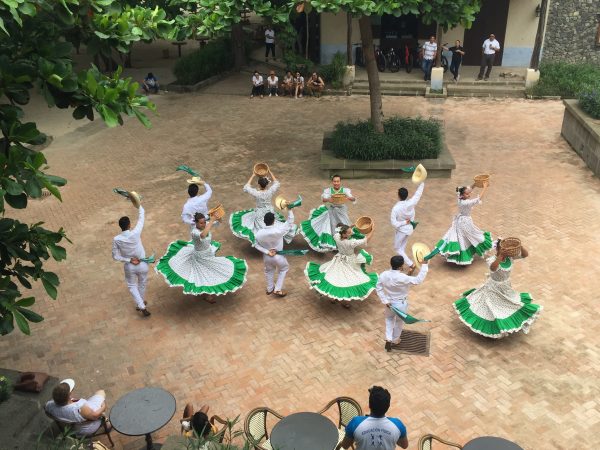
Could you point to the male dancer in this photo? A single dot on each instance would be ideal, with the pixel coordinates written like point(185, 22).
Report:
point(392, 289)
point(196, 203)
point(402, 218)
point(128, 248)
point(269, 241)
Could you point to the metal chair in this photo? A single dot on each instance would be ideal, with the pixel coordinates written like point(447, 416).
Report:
point(255, 427)
point(104, 428)
point(426, 442)
point(348, 408)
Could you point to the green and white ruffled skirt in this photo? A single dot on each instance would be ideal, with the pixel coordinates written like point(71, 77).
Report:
point(463, 241)
point(244, 224)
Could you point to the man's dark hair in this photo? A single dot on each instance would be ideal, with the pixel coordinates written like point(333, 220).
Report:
point(124, 223)
point(336, 176)
point(379, 401)
point(269, 218)
point(193, 190)
point(60, 394)
point(200, 424)
point(396, 262)
point(263, 182)
point(199, 216)
point(402, 193)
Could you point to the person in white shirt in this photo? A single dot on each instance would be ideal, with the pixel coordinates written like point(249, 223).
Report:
point(269, 42)
point(299, 85)
point(428, 53)
point(128, 248)
point(269, 241)
point(402, 219)
point(272, 84)
point(257, 84)
point(196, 203)
point(392, 289)
point(488, 55)
point(288, 83)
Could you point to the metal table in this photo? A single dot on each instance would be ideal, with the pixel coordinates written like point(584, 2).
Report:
point(490, 443)
point(304, 431)
point(142, 412)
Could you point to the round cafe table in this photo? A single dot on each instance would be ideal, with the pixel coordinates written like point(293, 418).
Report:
point(490, 443)
point(304, 431)
point(142, 412)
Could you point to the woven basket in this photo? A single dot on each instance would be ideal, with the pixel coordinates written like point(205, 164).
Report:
point(217, 212)
point(511, 246)
point(364, 224)
point(338, 199)
point(480, 179)
point(261, 169)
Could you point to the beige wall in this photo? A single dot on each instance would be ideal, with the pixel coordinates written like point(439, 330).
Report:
point(333, 35)
point(522, 23)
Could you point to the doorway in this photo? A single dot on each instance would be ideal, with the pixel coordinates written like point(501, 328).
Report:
point(491, 19)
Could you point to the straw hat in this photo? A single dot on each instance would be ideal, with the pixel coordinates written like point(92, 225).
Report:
point(419, 175)
point(281, 202)
point(419, 252)
point(69, 382)
point(135, 198)
point(195, 180)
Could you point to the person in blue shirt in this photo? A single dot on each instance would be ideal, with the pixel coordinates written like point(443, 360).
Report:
point(375, 431)
point(150, 84)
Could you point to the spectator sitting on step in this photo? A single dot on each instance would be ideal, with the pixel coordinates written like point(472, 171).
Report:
point(287, 86)
point(84, 414)
point(150, 83)
point(272, 84)
point(258, 84)
point(299, 85)
point(315, 85)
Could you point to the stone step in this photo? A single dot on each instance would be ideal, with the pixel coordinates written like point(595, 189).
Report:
point(453, 91)
point(467, 82)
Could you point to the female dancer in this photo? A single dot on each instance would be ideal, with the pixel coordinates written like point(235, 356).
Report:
point(344, 278)
point(495, 310)
point(245, 223)
point(463, 240)
point(194, 265)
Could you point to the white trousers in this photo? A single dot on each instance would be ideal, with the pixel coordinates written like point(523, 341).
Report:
point(393, 323)
point(272, 263)
point(400, 242)
point(135, 277)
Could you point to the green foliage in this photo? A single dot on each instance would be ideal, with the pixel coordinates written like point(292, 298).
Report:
point(5, 388)
point(334, 73)
point(589, 99)
point(565, 80)
point(214, 58)
point(298, 63)
point(403, 138)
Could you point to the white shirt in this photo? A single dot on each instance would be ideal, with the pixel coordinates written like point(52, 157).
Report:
point(271, 237)
point(257, 81)
point(393, 284)
point(429, 50)
point(405, 210)
point(198, 204)
point(299, 80)
point(490, 47)
point(269, 36)
point(272, 81)
point(128, 244)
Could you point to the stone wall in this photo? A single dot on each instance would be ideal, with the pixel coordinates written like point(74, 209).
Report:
point(571, 31)
point(583, 134)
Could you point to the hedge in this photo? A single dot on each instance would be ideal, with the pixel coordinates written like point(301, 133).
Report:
point(214, 58)
point(589, 99)
point(403, 138)
point(565, 80)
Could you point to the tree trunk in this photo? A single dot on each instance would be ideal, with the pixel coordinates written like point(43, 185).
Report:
point(366, 36)
point(306, 43)
point(439, 37)
point(237, 39)
point(539, 37)
point(349, 39)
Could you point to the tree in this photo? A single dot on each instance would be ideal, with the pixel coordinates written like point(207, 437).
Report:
point(539, 37)
point(35, 52)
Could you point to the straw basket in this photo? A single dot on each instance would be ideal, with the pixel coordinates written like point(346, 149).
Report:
point(261, 169)
point(217, 212)
point(338, 199)
point(511, 246)
point(364, 224)
point(480, 179)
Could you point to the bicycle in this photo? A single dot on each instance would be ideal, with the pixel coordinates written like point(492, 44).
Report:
point(389, 60)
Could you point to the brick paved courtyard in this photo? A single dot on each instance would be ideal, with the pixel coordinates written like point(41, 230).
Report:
point(297, 353)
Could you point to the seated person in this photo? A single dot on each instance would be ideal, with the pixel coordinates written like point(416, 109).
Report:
point(150, 83)
point(85, 415)
point(257, 84)
point(198, 423)
point(272, 84)
point(287, 86)
point(299, 85)
point(315, 85)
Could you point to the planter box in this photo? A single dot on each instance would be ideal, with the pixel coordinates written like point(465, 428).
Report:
point(199, 85)
point(583, 134)
point(388, 168)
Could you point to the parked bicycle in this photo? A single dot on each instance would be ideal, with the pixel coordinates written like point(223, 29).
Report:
point(389, 60)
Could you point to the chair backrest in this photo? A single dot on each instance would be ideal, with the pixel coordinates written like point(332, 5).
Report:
point(255, 425)
point(426, 442)
point(214, 420)
point(348, 408)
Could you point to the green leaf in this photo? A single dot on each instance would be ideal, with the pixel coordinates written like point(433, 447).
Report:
point(108, 115)
point(55, 180)
point(92, 84)
point(2, 26)
point(25, 302)
point(12, 187)
point(16, 201)
point(21, 322)
point(50, 288)
point(142, 118)
point(58, 253)
point(32, 188)
point(51, 277)
point(30, 315)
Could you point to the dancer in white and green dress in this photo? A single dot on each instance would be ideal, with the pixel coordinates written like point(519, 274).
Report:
point(464, 240)
point(495, 309)
point(319, 229)
point(344, 278)
point(244, 224)
point(194, 266)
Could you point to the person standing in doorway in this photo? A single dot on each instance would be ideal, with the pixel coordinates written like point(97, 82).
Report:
point(489, 49)
point(269, 42)
point(457, 55)
point(428, 54)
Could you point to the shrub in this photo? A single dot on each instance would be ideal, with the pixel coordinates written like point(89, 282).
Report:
point(297, 63)
point(214, 58)
point(565, 80)
point(403, 138)
point(5, 388)
point(589, 99)
point(334, 73)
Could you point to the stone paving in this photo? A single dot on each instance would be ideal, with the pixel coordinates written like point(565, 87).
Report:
point(297, 353)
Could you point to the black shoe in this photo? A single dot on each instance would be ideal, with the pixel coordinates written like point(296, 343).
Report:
point(479, 78)
point(145, 312)
point(486, 78)
point(388, 346)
